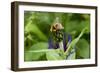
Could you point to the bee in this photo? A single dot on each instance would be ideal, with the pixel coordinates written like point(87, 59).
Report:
point(57, 32)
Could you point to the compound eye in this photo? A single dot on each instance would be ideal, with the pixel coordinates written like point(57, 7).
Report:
point(54, 27)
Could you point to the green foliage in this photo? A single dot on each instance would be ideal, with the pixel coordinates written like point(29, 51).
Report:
point(32, 54)
point(53, 55)
point(37, 31)
point(74, 42)
point(83, 49)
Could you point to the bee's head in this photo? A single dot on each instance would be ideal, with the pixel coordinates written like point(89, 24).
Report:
point(56, 26)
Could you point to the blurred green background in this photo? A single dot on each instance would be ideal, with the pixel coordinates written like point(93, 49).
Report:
point(37, 31)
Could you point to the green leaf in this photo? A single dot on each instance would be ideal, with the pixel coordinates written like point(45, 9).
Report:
point(39, 46)
point(40, 50)
point(74, 42)
point(83, 49)
point(61, 53)
point(32, 55)
point(28, 56)
point(72, 54)
point(53, 55)
point(33, 28)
